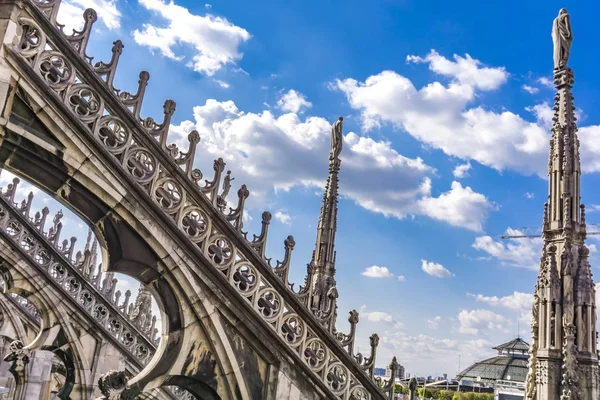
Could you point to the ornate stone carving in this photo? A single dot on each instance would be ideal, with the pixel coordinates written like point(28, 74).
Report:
point(42, 248)
point(562, 38)
point(113, 386)
point(18, 355)
point(124, 133)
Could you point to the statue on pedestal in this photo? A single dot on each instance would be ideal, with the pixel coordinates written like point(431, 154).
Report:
point(562, 36)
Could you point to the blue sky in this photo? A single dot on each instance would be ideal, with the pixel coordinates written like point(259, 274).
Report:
point(446, 118)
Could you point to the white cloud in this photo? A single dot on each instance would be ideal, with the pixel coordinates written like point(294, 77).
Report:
point(543, 114)
point(516, 301)
point(435, 269)
point(529, 195)
point(590, 148)
point(215, 40)
point(70, 14)
point(419, 349)
point(379, 316)
point(223, 84)
point(401, 278)
point(434, 323)
point(269, 152)
point(283, 217)
point(521, 252)
point(530, 89)
point(376, 271)
point(475, 322)
point(208, 5)
point(464, 70)
point(293, 102)
point(461, 170)
point(461, 206)
point(546, 82)
point(440, 115)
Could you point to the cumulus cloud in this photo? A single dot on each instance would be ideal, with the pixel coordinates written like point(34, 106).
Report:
point(461, 170)
point(521, 252)
point(516, 301)
point(465, 70)
point(215, 40)
point(376, 271)
point(283, 217)
point(293, 102)
point(70, 14)
point(529, 195)
point(401, 278)
point(461, 206)
point(435, 269)
point(475, 322)
point(268, 151)
point(441, 115)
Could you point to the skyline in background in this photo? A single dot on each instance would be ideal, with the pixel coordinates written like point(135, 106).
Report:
point(447, 115)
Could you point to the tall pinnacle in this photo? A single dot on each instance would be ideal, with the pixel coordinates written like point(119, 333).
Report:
point(324, 254)
point(319, 292)
point(563, 361)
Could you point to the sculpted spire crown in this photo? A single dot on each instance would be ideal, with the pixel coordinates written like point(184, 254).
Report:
point(562, 36)
point(337, 140)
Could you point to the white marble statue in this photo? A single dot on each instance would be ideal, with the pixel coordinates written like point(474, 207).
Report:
point(562, 36)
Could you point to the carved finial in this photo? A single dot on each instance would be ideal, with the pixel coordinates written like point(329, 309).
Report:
point(211, 188)
point(283, 267)
point(109, 70)
point(259, 243)
point(79, 39)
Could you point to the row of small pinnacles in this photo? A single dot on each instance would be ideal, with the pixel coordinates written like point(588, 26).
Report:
point(116, 138)
point(139, 312)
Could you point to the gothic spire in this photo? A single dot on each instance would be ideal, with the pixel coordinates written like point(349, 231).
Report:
point(324, 254)
point(320, 293)
point(563, 360)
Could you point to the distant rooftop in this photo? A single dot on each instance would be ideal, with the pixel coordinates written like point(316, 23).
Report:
point(510, 364)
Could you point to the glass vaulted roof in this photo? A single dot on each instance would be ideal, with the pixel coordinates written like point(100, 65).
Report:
point(509, 364)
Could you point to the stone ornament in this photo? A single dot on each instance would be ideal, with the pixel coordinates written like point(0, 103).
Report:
point(95, 294)
point(564, 343)
point(113, 119)
point(562, 37)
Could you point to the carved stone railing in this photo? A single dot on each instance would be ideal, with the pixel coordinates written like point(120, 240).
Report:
point(22, 304)
point(57, 264)
point(25, 306)
point(166, 174)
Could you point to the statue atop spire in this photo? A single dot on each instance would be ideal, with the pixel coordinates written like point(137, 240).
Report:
point(563, 358)
point(562, 36)
point(320, 293)
point(336, 140)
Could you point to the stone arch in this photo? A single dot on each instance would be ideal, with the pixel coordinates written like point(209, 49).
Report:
point(115, 238)
point(57, 336)
point(70, 371)
point(123, 248)
point(75, 170)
